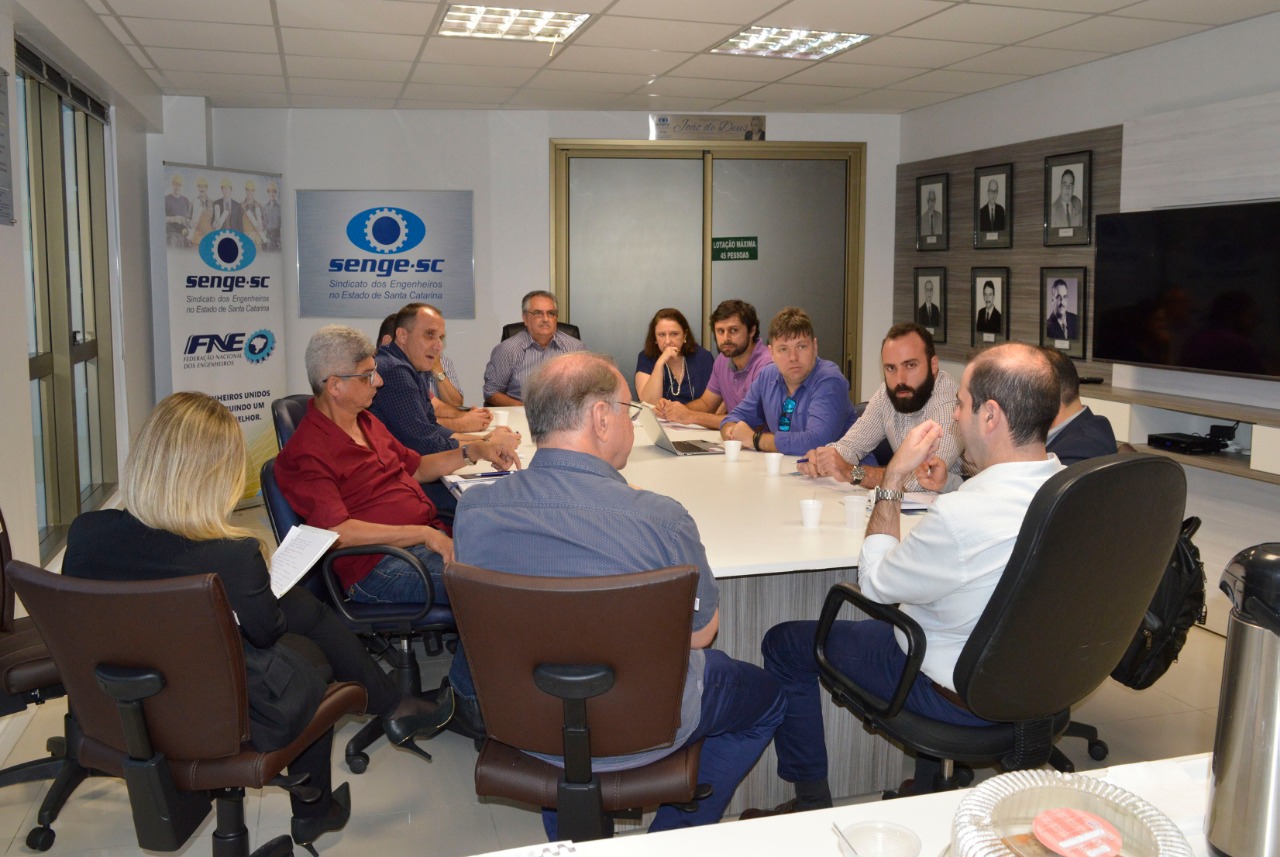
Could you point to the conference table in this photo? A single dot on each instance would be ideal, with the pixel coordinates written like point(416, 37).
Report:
point(770, 569)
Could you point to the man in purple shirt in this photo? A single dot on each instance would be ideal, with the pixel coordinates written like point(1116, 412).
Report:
point(799, 402)
point(741, 358)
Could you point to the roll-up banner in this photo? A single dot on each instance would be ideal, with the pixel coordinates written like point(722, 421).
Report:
point(226, 306)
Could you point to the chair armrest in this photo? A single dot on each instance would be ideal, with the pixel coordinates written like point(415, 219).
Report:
point(847, 593)
point(412, 612)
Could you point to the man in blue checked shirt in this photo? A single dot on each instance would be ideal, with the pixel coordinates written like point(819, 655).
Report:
point(513, 359)
point(799, 402)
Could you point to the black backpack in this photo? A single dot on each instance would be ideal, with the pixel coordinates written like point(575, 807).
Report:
point(1176, 606)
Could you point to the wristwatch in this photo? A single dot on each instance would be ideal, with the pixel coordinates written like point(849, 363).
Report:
point(755, 439)
point(858, 474)
point(464, 447)
point(884, 494)
point(440, 376)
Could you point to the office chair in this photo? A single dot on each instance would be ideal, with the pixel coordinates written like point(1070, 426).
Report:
point(883, 451)
point(576, 667)
point(510, 330)
point(1092, 548)
point(286, 413)
point(29, 676)
point(388, 630)
point(155, 671)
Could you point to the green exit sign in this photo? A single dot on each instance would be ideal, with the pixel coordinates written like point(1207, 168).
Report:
point(735, 249)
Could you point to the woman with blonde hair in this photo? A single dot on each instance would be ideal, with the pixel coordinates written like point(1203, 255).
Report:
point(184, 475)
point(672, 366)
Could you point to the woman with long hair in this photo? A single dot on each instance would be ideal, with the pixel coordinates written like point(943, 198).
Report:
point(184, 475)
point(672, 365)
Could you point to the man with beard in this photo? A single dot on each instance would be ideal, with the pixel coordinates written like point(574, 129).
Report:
point(914, 391)
point(741, 358)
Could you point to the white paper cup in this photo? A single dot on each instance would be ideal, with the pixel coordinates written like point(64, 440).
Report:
point(855, 510)
point(731, 449)
point(773, 463)
point(811, 513)
point(501, 418)
point(879, 839)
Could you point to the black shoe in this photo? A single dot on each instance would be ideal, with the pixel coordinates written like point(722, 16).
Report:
point(467, 720)
point(403, 729)
point(781, 809)
point(307, 830)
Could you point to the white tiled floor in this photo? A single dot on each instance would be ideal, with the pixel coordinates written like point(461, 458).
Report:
point(403, 805)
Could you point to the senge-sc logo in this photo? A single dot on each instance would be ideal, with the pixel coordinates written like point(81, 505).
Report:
point(386, 230)
point(227, 250)
point(256, 347)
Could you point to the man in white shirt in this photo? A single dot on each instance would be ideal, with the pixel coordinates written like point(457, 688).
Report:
point(942, 575)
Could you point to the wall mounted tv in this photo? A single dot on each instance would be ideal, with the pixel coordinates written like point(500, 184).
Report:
point(1190, 288)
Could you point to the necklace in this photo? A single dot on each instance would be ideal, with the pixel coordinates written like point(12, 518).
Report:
point(673, 386)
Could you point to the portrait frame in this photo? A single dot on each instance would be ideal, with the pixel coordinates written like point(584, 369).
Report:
point(1069, 223)
point(1077, 282)
point(991, 238)
point(936, 238)
point(921, 276)
point(999, 331)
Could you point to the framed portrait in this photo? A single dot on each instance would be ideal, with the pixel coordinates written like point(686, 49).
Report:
point(993, 207)
point(931, 301)
point(990, 305)
point(932, 212)
point(1062, 309)
point(1068, 200)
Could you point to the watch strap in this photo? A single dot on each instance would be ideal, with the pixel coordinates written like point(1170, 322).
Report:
point(885, 494)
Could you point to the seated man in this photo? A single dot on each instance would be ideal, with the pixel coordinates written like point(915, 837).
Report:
point(942, 575)
point(1077, 433)
point(915, 391)
point(799, 402)
point(513, 359)
point(740, 360)
point(343, 471)
point(572, 513)
point(442, 377)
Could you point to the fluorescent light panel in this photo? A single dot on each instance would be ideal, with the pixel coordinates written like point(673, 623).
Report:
point(527, 25)
point(789, 44)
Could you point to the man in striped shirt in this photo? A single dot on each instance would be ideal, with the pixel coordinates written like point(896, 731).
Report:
point(513, 359)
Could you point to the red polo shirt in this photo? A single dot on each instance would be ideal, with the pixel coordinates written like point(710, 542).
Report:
point(328, 478)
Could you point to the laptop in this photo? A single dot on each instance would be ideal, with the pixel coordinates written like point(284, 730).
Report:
point(649, 420)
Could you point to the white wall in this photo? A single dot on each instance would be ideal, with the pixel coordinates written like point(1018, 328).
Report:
point(504, 157)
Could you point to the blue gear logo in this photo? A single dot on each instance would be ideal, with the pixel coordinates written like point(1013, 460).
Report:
point(386, 230)
point(260, 345)
point(227, 250)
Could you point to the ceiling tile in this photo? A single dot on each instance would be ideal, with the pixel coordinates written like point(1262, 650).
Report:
point(1089, 7)
point(223, 61)
point(694, 87)
point(349, 69)
point(351, 88)
point(486, 52)
point(794, 94)
point(1027, 61)
point(946, 80)
point(914, 53)
point(551, 99)
point(1199, 11)
point(471, 75)
point(896, 100)
point(415, 104)
point(489, 95)
point(1114, 34)
point(367, 16)
point(139, 56)
point(616, 60)
point(874, 17)
point(339, 102)
point(589, 81)
point(113, 24)
point(97, 6)
point(967, 23)
point(853, 74)
point(331, 43)
point(715, 11)
point(246, 99)
point(158, 79)
point(163, 33)
point(226, 82)
point(614, 31)
point(225, 11)
point(724, 67)
point(668, 103)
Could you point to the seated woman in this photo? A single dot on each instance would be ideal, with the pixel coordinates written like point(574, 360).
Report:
point(672, 366)
point(184, 475)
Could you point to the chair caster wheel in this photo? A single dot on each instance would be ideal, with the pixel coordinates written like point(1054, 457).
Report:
point(40, 838)
point(964, 776)
point(358, 762)
point(1098, 750)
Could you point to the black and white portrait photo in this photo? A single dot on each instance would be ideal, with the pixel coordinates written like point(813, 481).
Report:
point(931, 212)
point(1066, 199)
point(993, 207)
point(1062, 307)
point(931, 301)
point(990, 305)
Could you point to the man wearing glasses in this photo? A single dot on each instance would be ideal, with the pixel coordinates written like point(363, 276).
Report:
point(343, 471)
point(799, 402)
point(513, 359)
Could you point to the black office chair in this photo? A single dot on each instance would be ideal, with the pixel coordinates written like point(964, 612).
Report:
point(388, 630)
point(155, 671)
point(579, 666)
point(286, 413)
point(1092, 548)
point(883, 451)
point(510, 330)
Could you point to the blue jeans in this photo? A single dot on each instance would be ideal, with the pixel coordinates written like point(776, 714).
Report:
point(394, 581)
point(742, 705)
point(866, 652)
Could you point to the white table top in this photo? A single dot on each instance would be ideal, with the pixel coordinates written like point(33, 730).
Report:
point(749, 521)
point(1177, 787)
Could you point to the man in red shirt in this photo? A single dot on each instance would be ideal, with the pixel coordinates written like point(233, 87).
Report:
point(343, 471)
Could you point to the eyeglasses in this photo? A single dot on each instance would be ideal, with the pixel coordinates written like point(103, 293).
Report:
point(633, 408)
point(368, 376)
point(543, 313)
point(788, 408)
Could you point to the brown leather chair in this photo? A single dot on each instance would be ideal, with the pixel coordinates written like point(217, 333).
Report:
point(28, 676)
point(578, 667)
point(155, 672)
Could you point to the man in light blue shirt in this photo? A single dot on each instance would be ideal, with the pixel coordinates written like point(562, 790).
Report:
point(513, 359)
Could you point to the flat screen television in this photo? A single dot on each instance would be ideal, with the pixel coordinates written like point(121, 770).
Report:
point(1190, 288)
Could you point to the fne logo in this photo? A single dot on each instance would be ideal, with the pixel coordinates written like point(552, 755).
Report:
point(386, 230)
point(227, 250)
point(255, 347)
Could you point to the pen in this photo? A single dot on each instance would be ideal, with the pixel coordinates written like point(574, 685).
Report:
point(802, 461)
point(490, 473)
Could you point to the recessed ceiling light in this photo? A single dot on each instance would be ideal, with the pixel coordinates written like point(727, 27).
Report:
point(528, 25)
point(789, 44)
